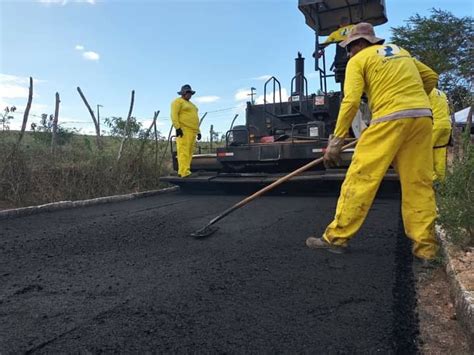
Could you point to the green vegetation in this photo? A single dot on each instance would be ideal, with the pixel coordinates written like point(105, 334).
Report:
point(443, 42)
point(32, 174)
point(117, 126)
point(455, 197)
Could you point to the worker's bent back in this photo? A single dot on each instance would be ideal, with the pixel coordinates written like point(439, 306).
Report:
point(394, 81)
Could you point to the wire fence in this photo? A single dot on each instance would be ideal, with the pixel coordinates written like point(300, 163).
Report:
point(216, 117)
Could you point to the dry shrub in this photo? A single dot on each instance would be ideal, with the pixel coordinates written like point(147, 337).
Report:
point(77, 171)
point(455, 197)
point(15, 178)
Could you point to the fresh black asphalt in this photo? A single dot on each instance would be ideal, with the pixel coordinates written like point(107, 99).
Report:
point(127, 277)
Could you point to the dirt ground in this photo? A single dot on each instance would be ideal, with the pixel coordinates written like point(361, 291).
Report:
point(440, 331)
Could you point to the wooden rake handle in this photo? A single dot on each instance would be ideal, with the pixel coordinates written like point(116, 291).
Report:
point(275, 184)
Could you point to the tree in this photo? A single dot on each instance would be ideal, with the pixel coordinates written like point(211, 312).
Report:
point(6, 117)
point(443, 42)
point(215, 136)
point(117, 126)
point(42, 131)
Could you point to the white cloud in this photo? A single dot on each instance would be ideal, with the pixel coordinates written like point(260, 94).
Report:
point(87, 55)
point(13, 79)
point(15, 87)
point(12, 91)
point(6, 78)
point(206, 99)
point(284, 97)
point(262, 77)
point(65, 2)
point(91, 55)
point(242, 95)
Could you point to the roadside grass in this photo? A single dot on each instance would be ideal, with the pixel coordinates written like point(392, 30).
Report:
point(455, 197)
point(77, 169)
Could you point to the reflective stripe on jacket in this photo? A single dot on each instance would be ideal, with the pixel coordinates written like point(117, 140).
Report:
point(414, 113)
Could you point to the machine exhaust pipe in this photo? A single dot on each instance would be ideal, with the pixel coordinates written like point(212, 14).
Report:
point(299, 75)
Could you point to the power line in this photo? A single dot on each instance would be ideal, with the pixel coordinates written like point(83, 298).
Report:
point(138, 119)
point(225, 109)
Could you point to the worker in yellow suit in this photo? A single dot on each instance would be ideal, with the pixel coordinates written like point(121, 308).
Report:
point(340, 34)
point(397, 87)
point(337, 36)
point(441, 132)
point(184, 115)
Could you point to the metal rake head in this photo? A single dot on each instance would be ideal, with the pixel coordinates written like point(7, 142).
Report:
point(204, 232)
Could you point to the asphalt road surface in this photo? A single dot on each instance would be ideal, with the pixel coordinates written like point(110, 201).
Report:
point(126, 277)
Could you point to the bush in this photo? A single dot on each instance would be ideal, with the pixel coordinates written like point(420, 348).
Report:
point(455, 198)
point(32, 174)
point(64, 136)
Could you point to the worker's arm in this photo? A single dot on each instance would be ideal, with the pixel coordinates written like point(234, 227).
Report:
point(353, 90)
point(428, 75)
point(175, 108)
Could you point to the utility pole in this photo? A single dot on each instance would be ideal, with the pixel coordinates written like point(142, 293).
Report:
point(212, 136)
point(98, 116)
point(252, 94)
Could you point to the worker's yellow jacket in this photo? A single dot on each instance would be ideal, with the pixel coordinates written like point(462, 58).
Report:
point(396, 85)
point(440, 108)
point(184, 114)
point(339, 35)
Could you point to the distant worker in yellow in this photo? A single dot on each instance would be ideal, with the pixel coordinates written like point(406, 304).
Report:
point(337, 36)
point(441, 132)
point(397, 87)
point(184, 115)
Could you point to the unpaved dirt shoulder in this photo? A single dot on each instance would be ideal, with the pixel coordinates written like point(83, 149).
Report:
point(440, 330)
point(446, 302)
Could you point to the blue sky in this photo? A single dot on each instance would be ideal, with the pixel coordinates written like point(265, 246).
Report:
point(220, 47)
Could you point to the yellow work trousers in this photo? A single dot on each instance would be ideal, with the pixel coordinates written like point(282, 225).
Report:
point(440, 141)
point(185, 149)
point(405, 143)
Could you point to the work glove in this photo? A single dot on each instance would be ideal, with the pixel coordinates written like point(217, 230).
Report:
point(179, 132)
point(332, 154)
point(199, 136)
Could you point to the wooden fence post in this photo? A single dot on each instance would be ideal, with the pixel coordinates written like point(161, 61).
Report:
point(147, 134)
point(27, 112)
point(23, 126)
point(156, 146)
point(96, 123)
point(55, 125)
point(126, 133)
point(211, 133)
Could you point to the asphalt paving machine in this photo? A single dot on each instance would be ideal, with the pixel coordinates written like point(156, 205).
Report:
point(282, 135)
